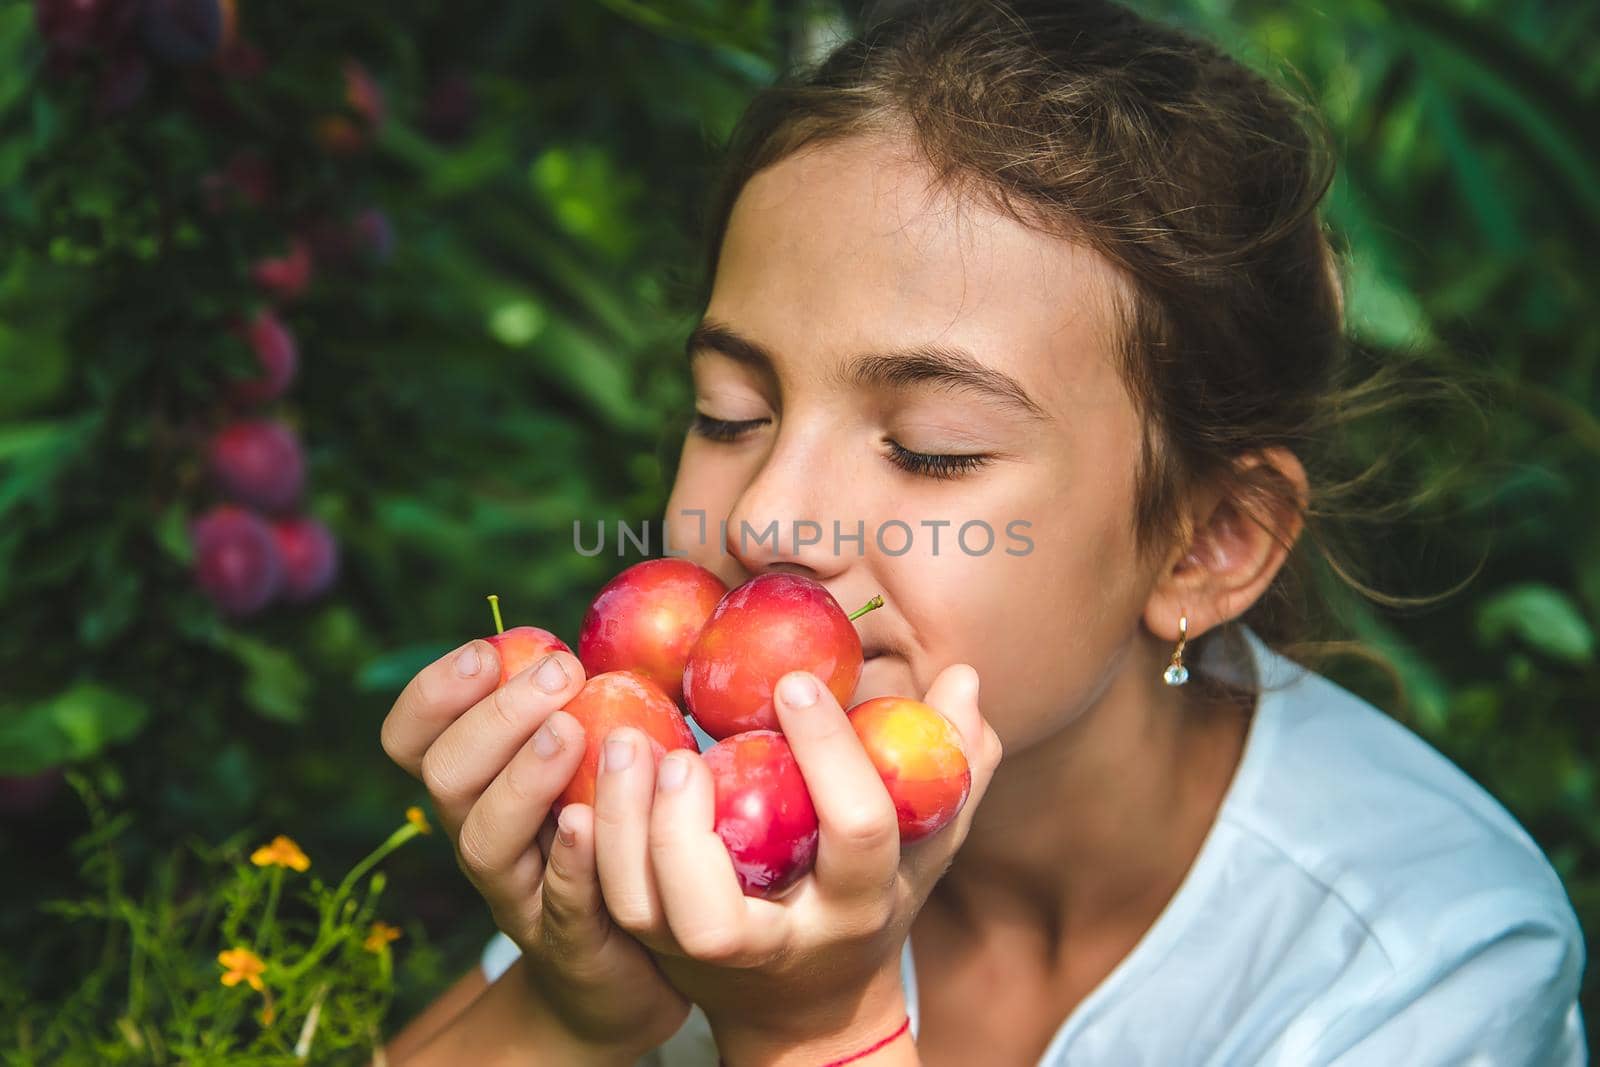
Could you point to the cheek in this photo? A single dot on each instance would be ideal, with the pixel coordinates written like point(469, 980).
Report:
point(692, 508)
point(705, 490)
point(1011, 617)
point(1042, 627)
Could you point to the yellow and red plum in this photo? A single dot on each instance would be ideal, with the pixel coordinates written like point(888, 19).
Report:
point(918, 754)
point(521, 647)
point(608, 702)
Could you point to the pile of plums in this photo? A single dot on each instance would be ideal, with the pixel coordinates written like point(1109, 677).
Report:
point(254, 547)
point(667, 637)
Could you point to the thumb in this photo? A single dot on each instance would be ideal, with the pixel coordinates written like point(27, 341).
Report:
point(954, 694)
point(573, 908)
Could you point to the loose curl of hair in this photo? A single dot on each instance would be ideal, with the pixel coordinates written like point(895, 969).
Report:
point(1199, 180)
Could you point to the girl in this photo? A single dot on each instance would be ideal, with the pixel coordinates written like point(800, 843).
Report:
point(1046, 270)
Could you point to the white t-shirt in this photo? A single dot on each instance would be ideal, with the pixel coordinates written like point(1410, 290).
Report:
point(1359, 900)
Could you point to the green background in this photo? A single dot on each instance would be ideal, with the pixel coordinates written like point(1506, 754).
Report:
point(515, 365)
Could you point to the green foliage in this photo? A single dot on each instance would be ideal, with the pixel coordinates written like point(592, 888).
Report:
point(1543, 619)
point(510, 367)
point(227, 957)
point(67, 728)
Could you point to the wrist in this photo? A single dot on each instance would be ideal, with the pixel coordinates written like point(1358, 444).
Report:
point(558, 1043)
point(873, 1031)
point(511, 1023)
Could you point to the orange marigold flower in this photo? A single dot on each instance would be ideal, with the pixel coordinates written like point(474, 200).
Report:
point(416, 818)
point(379, 936)
point(241, 965)
point(282, 852)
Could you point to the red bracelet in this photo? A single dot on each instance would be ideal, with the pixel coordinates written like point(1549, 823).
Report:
point(875, 1046)
point(854, 1056)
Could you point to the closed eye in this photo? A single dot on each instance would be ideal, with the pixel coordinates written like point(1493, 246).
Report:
point(934, 465)
point(924, 464)
point(723, 429)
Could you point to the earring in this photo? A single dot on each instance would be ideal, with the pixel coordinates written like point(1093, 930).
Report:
point(1176, 673)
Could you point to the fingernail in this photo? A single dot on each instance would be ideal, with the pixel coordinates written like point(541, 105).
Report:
point(619, 755)
point(468, 662)
point(798, 690)
point(674, 772)
point(550, 675)
point(546, 742)
point(564, 832)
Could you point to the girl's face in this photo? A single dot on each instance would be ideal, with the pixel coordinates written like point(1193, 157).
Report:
point(876, 359)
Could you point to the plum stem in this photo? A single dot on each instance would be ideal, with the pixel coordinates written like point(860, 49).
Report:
point(874, 603)
point(494, 606)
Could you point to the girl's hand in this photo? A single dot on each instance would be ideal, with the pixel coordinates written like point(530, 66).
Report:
point(494, 759)
point(813, 975)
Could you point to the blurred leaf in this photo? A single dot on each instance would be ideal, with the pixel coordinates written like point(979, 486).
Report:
point(589, 196)
point(516, 323)
point(336, 638)
point(275, 685)
point(33, 453)
point(1425, 690)
point(33, 367)
point(16, 35)
point(1496, 217)
point(390, 672)
point(112, 609)
point(1381, 309)
point(659, 17)
point(1543, 618)
point(1472, 53)
point(70, 727)
point(172, 533)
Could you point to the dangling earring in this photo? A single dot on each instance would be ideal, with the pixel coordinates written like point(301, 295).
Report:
point(1176, 673)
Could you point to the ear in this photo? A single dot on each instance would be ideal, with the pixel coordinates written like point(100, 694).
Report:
point(1230, 559)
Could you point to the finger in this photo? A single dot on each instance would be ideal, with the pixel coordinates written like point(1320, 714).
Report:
point(434, 698)
point(459, 766)
point(573, 907)
point(622, 836)
point(502, 827)
point(954, 694)
point(708, 914)
point(859, 846)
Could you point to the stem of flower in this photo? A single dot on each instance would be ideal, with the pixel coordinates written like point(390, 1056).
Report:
point(325, 939)
point(271, 909)
point(395, 840)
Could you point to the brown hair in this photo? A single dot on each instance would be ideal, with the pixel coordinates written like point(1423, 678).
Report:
point(1198, 179)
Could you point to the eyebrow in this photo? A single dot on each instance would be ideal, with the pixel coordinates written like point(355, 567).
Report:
point(915, 365)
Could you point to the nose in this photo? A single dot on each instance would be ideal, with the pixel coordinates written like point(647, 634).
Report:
point(785, 517)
